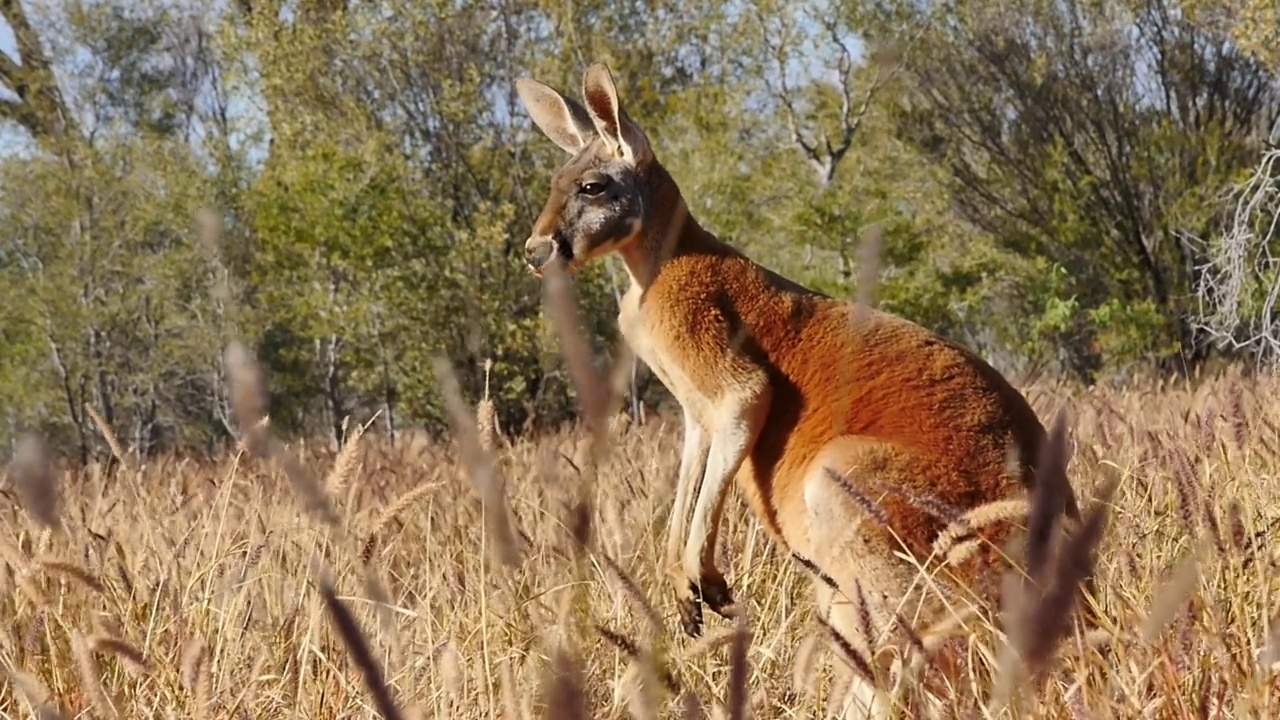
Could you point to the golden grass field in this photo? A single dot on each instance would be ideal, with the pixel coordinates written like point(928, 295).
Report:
point(182, 587)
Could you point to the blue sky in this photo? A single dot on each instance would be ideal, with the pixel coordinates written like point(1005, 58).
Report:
point(7, 41)
point(9, 138)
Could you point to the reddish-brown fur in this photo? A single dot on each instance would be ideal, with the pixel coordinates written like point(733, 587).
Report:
point(937, 419)
point(911, 420)
point(945, 413)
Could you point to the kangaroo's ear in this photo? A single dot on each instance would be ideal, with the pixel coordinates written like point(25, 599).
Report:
point(561, 119)
point(623, 136)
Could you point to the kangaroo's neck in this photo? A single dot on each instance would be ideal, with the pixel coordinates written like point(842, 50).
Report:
point(668, 230)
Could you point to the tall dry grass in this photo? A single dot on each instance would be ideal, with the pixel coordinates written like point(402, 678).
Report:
point(424, 580)
point(517, 579)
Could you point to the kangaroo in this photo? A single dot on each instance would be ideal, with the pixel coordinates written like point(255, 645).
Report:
point(841, 425)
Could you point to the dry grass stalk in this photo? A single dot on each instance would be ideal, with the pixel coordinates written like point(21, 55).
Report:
point(642, 658)
point(90, 674)
point(480, 465)
point(853, 657)
point(634, 595)
point(131, 656)
point(1236, 524)
point(1048, 500)
point(592, 395)
point(37, 695)
point(72, 571)
point(344, 465)
point(1179, 585)
point(598, 398)
point(1188, 492)
point(203, 694)
point(507, 686)
point(381, 598)
point(866, 504)
point(1074, 564)
point(804, 668)
point(631, 688)
point(1029, 645)
point(739, 670)
point(1206, 664)
point(868, 271)
point(710, 641)
point(197, 676)
point(358, 647)
point(599, 394)
point(590, 385)
point(1040, 613)
point(26, 583)
point(117, 450)
point(448, 665)
point(389, 515)
point(487, 416)
point(31, 643)
point(249, 400)
point(692, 707)
point(209, 233)
point(976, 519)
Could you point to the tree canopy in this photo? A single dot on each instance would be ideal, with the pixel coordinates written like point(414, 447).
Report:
point(347, 186)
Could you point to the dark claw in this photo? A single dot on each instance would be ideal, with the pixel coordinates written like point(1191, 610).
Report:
point(712, 591)
point(717, 596)
point(691, 613)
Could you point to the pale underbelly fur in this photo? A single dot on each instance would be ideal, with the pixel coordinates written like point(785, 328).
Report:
point(783, 523)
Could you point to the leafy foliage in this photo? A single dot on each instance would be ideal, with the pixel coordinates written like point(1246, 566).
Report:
point(1034, 184)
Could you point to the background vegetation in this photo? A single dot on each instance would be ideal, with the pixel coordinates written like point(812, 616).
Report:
point(187, 587)
point(1083, 191)
point(1078, 189)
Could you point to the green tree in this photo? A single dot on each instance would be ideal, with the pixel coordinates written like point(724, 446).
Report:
point(1095, 136)
point(100, 259)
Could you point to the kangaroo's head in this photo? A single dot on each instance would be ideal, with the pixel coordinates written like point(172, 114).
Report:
point(597, 200)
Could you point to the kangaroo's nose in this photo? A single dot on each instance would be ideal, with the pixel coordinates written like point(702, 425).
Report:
point(537, 251)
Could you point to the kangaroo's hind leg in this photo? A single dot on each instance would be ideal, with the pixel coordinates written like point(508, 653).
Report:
point(860, 539)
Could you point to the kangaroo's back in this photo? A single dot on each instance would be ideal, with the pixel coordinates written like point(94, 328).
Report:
point(837, 369)
point(849, 430)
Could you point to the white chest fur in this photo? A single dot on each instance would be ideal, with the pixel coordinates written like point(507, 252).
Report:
point(654, 349)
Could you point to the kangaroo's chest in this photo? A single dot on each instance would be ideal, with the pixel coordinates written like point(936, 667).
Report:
point(653, 345)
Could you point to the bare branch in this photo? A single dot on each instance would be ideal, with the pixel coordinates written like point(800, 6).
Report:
point(1237, 286)
point(850, 117)
point(824, 152)
point(783, 92)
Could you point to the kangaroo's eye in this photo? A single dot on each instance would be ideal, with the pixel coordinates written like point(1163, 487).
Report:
point(595, 187)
